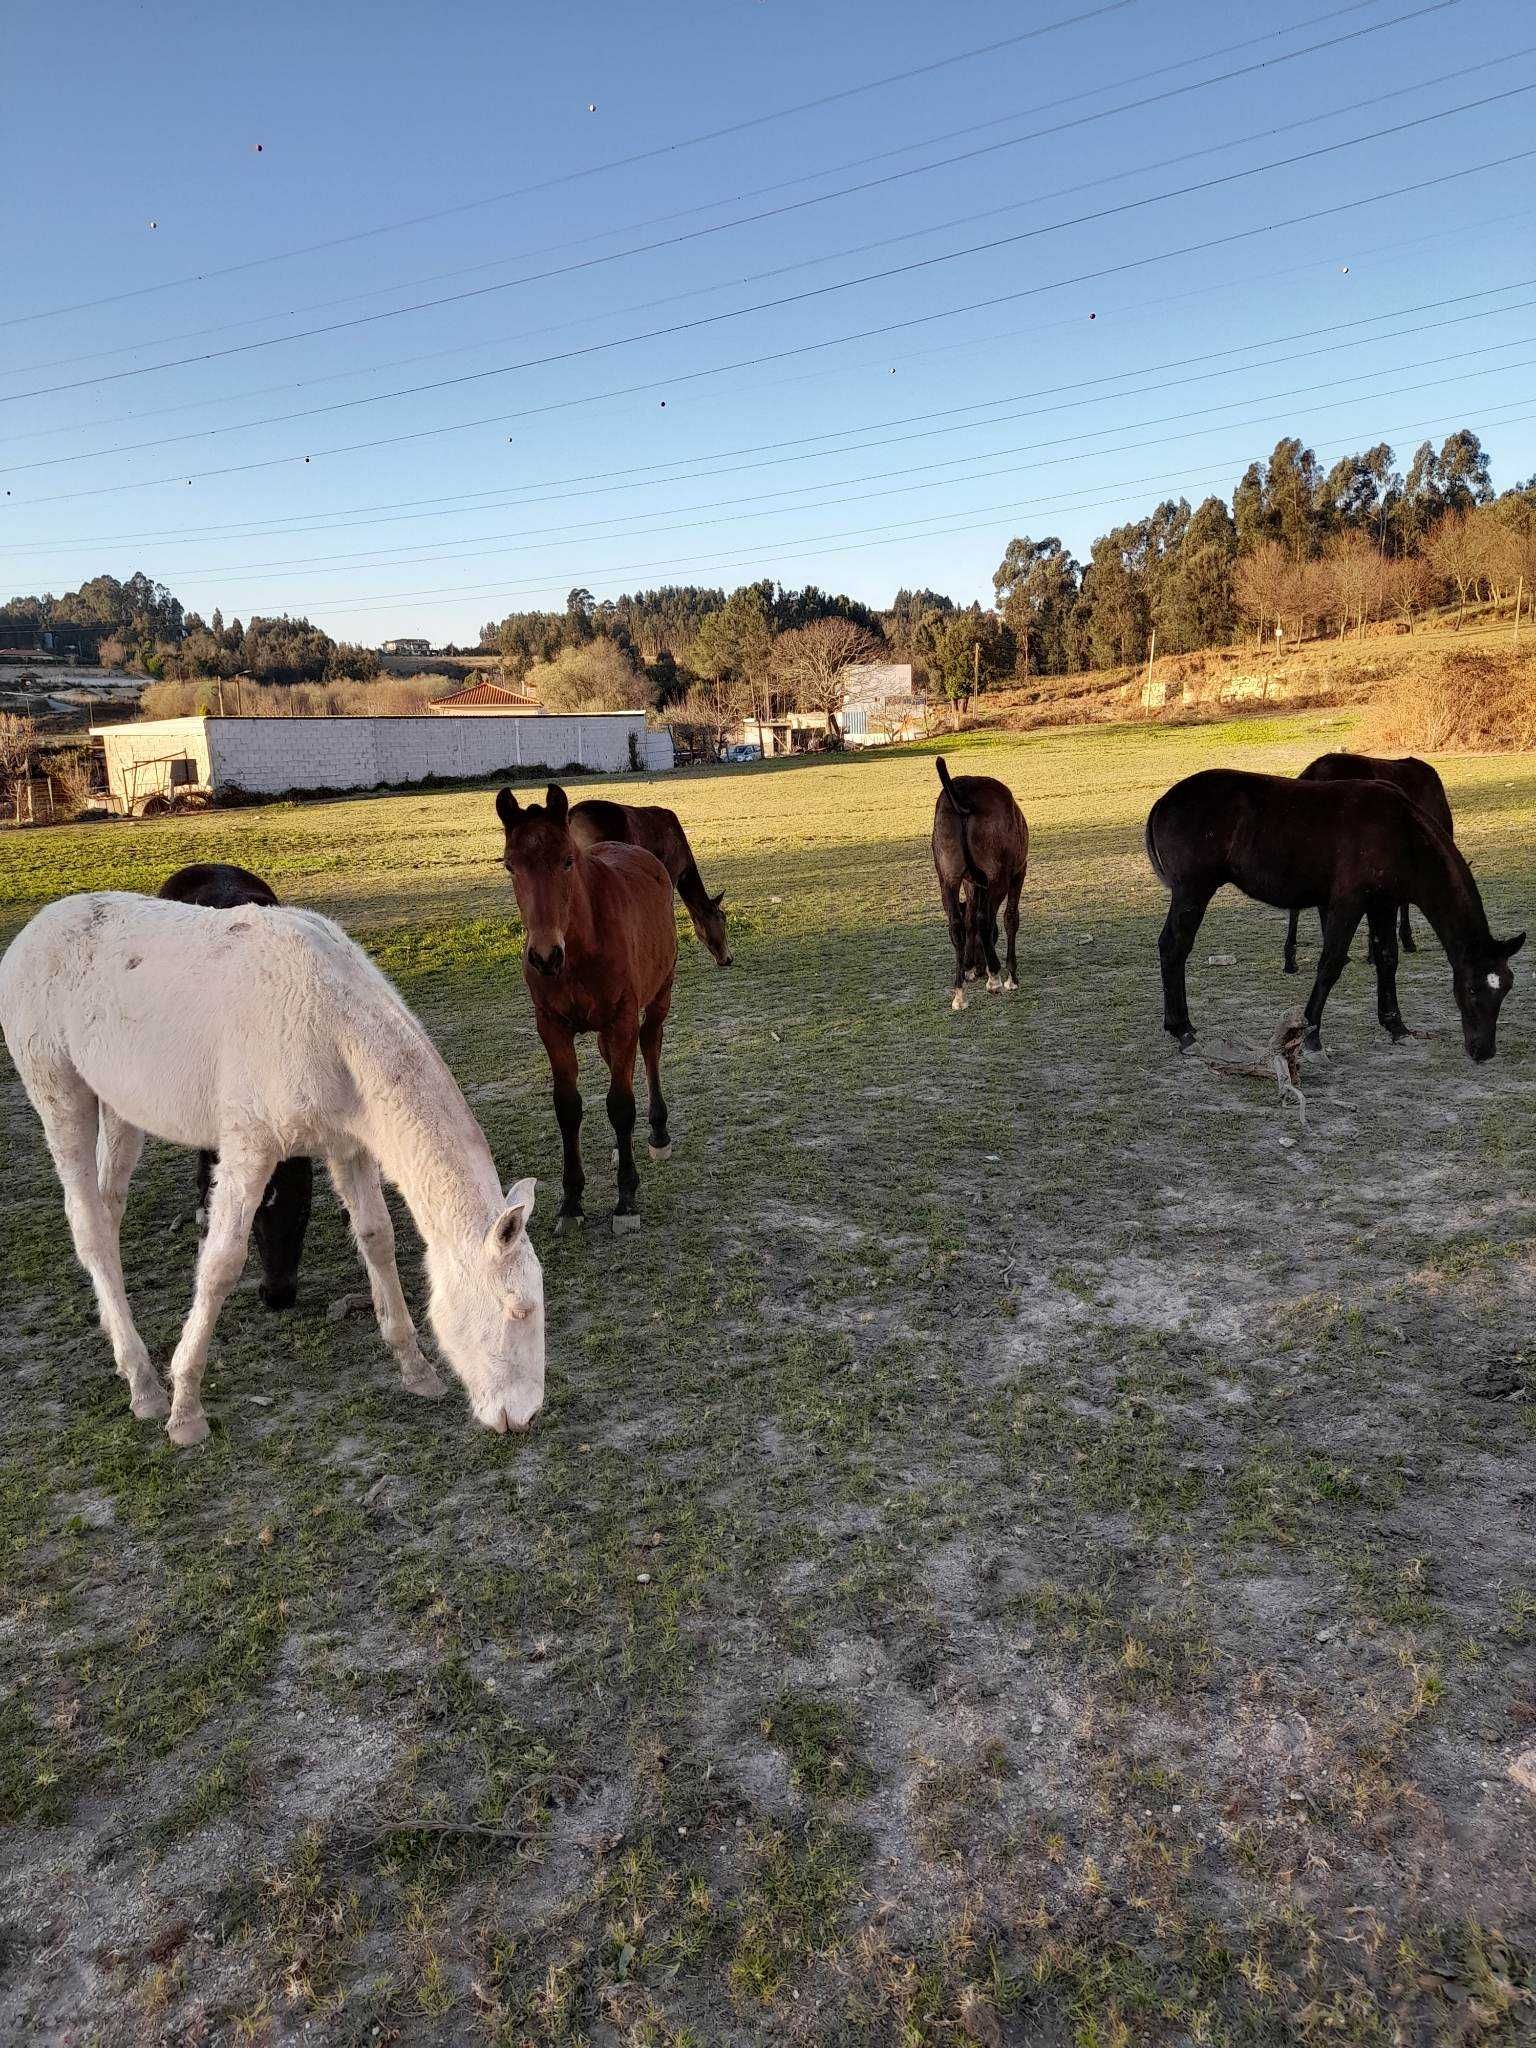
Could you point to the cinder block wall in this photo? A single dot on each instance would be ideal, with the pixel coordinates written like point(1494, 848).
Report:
point(268, 755)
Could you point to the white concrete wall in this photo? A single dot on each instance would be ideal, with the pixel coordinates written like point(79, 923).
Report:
point(269, 755)
point(150, 743)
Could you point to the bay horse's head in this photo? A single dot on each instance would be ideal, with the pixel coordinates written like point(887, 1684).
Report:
point(1481, 981)
point(540, 856)
point(709, 923)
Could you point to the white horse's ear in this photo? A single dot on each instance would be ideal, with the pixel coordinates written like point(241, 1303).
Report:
point(513, 1220)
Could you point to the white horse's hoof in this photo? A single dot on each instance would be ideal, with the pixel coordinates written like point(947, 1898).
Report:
point(190, 1430)
point(150, 1402)
point(626, 1222)
point(958, 1002)
point(420, 1379)
point(660, 1151)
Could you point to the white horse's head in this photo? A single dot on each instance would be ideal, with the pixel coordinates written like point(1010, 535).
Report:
point(487, 1310)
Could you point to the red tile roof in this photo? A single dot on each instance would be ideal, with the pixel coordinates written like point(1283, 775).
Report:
point(488, 694)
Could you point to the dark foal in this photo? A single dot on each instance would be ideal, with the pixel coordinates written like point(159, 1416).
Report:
point(599, 955)
point(282, 1220)
point(660, 832)
point(980, 852)
point(1352, 849)
point(1417, 781)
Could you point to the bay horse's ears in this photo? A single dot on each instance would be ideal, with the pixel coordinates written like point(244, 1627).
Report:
point(1508, 948)
point(506, 807)
point(716, 901)
point(557, 803)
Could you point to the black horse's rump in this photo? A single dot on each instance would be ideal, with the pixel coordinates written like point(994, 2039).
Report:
point(282, 1220)
point(1417, 781)
point(980, 847)
point(1350, 849)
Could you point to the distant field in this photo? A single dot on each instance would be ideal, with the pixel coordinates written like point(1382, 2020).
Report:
point(1022, 1547)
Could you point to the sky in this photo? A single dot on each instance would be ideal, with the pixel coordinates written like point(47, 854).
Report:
point(1087, 268)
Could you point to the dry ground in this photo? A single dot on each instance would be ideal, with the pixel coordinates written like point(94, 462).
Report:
point(1023, 1547)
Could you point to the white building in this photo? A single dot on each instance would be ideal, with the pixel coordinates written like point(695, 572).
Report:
point(154, 760)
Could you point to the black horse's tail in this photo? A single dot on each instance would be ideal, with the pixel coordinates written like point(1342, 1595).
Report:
point(1157, 866)
point(962, 812)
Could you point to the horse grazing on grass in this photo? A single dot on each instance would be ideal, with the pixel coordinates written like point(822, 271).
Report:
point(1417, 781)
point(660, 832)
point(599, 955)
point(283, 1218)
point(981, 852)
point(1352, 849)
point(261, 1038)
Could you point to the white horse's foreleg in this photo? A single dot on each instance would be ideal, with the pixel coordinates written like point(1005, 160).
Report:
point(68, 1111)
point(119, 1147)
point(239, 1181)
point(356, 1179)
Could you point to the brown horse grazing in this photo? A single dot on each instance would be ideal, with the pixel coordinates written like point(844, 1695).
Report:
point(596, 821)
point(599, 955)
point(1418, 782)
point(280, 1224)
point(980, 847)
point(1352, 850)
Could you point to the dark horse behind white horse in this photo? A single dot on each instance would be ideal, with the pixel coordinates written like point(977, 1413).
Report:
point(1352, 849)
point(280, 1224)
point(980, 854)
point(1417, 781)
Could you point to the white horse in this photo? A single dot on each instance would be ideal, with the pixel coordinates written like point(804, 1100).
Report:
point(266, 1037)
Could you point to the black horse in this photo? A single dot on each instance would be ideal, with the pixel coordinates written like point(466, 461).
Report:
point(283, 1217)
point(1418, 782)
point(1352, 849)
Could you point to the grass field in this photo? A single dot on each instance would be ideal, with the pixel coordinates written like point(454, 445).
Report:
point(1022, 1547)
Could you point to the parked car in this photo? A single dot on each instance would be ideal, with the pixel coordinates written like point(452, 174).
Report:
point(744, 751)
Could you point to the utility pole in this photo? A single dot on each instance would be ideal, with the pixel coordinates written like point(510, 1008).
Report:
point(1519, 600)
point(1151, 657)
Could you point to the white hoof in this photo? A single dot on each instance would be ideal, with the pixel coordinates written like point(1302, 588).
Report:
point(994, 986)
point(190, 1430)
point(970, 974)
point(627, 1222)
point(1010, 986)
point(426, 1386)
point(660, 1151)
point(958, 1001)
point(149, 1401)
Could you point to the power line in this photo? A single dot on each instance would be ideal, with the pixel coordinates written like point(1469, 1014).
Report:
point(536, 536)
point(672, 298)
point(750, 220)
point(369, 601)
point(687, 212)
point(592, 170)
point(448, 505)
point(455, 549)
point(805, 348)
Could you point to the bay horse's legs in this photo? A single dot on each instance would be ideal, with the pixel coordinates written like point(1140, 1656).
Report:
point(238, 1185)
point(1011, 930)
point(618, 1046)
point(955, 912)
point(560, 1044)
point(986, 933)
point(1292, 922)
point(69, 1115)
point(1384, 948)
point(1339, 925)
point(1185, 914)
point(650, 1052)
point(355, 1177)
point(1405, 929)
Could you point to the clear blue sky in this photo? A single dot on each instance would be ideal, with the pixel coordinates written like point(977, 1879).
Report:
point(121, 116)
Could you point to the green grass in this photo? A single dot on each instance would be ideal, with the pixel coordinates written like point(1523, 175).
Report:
point(1008, 1552)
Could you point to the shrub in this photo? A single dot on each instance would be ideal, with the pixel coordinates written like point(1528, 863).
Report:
point(1473, 702)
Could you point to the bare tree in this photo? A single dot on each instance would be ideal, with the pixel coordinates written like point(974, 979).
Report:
point(808, 664)
point(1263, 583)
point(1457, 552)
point(18, 736)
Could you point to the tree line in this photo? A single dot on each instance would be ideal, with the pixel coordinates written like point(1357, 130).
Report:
point(137, 625)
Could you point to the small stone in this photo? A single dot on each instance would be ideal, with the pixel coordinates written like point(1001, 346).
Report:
point(642, 1578)
point(1222, 960)
point(1037, 1726)
point(376, 1491)
point(1523, 1771)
